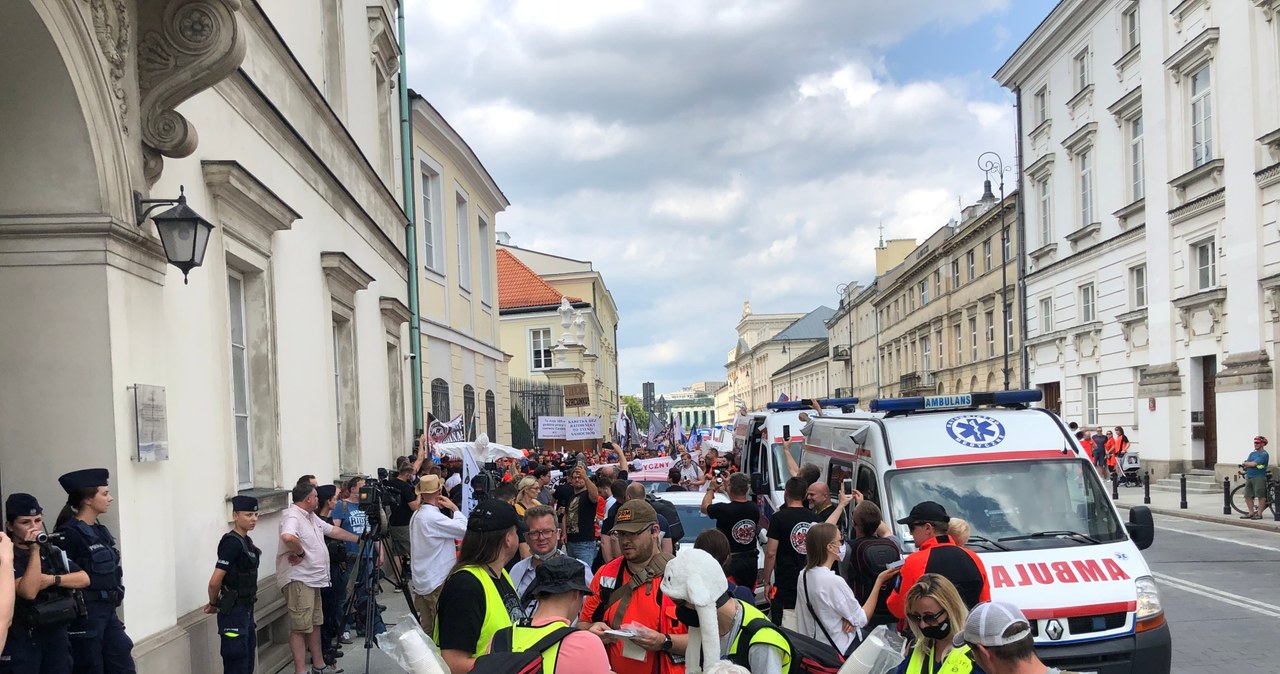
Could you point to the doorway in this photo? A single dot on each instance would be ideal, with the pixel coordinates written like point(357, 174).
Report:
point(1209, 377)
point(1052, 392)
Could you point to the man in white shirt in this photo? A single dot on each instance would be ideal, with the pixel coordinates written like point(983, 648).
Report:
point(454, 479)
point(431, 552)
point(544, 539)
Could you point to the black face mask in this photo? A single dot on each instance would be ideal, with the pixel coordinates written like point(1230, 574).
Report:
point(940, 631)
point(689, 616)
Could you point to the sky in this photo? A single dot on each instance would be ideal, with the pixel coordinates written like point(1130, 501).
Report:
point(705, 153)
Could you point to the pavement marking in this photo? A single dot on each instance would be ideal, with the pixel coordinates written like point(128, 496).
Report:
point(1262, 608)
point(1218, 538)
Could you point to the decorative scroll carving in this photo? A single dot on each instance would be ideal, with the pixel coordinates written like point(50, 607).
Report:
point(111, 28)
point(186, 46)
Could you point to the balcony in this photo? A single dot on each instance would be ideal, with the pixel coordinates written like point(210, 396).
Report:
point(918, 383)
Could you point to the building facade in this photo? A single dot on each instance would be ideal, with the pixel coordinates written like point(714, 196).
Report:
point(464, 369)
point(1151, 143)
point(283, 354)
point(760, 351)
point(806, 375)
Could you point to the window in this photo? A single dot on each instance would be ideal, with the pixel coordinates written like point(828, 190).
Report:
point(924, 292)
point(925, 355)
point(1204, 256)
point(959, 336)
point(986, 254)
point(486, 262)
point(1201, 118)
point(991, 333)
point(240, 382)
point(955, 274)
point(540, 348)
point(1008, 244)
point(1040, 103)
point(1138, 286)
point(1008, 327)
point(1086, 303)
point(973, 267)
point(440, 400)
point(469, 412)
point(973, 339)
point(1090, 385)
point(1131, 28)
point(1046, 215)
point(1046, 315)
point(937, 282)
point(1085, 161)
point(464, 243)
point(1080, 69)
point(941, 347)
point(345, 401)
point(491, 415)
point(1136, 172)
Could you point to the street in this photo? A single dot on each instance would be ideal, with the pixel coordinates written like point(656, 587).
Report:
point(1216, 583)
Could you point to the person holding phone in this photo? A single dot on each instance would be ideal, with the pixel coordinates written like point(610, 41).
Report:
point(739, 520)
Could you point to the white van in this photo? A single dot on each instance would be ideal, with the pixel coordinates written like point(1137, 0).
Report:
point(1043, 522)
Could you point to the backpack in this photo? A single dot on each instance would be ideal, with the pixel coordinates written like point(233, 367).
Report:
point(871, 556)
point(675, 530)
point(808, 655)
point(502, 660)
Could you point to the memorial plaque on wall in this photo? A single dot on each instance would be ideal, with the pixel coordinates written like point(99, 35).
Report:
point(150, 411)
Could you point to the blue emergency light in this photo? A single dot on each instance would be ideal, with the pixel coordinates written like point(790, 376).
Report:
point(793, 405)
point(1015, 398)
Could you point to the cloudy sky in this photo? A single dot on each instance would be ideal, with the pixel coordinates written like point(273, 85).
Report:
point(705, 152)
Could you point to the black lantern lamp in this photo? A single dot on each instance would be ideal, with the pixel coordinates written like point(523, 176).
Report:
point(183, 232)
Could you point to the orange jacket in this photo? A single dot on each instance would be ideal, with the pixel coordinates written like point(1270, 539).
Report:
point(648, 607)
point(939, 555)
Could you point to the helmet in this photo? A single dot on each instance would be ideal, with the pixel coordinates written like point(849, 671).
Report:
point(1260, 439)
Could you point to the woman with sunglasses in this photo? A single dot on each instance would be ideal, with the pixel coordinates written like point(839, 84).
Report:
point(826, 609)
point(527, 495)
point(936, 614)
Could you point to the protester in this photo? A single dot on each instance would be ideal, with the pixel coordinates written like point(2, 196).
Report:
point(543, 475)
point(936, 614)
point(233, 589)
point(675, 479)
point(826, 609)
point(936, 553)
point(579, 519)
point(431, 536)
point(871, 553)
point(332, 597)
point(527, 495)
point(98, 640)
point(999, 639)
point(478, 591)
point(543, 537)
point(738, 519)
point(958, 530)
point(31, 580)
point(406, 502)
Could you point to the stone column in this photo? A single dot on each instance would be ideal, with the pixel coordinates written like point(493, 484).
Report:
point(1163, 448)
point(1246, 406)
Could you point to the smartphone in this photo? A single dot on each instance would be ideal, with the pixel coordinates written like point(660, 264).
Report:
point(786, 431)
point(848, 485)
point(896, 564)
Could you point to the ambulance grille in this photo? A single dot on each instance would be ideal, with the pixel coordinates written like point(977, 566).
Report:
point(1096, 623)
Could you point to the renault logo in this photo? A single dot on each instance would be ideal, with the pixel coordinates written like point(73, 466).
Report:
point(1054, 630)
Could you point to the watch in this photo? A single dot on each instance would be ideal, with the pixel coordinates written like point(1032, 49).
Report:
point(666, 643)
point(57, 580)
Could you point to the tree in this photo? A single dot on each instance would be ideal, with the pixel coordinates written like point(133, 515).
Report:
point(521, 434)
point(635, 410)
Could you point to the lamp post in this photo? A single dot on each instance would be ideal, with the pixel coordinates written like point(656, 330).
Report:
point(989, 162)
point(787, 351)
point(183, 232)
point(842, 289)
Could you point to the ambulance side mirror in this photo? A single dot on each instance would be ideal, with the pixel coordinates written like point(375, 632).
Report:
point(757, 484)
point(1142, 528)
point(859, 435)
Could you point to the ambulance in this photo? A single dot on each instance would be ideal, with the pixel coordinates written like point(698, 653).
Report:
point(1042, 521)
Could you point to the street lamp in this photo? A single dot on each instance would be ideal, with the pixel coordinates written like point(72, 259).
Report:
point(842, 289)
point(989, 162)
point(183, 232)
point(790, 391)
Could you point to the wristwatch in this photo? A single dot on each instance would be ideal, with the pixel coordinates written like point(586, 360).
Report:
point(666, 643)
point(57, 580)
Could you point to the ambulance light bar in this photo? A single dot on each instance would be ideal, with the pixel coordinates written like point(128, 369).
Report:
point(957, 401)
point(792, 405)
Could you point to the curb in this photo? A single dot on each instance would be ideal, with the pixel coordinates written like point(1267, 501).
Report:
point(1261, 525)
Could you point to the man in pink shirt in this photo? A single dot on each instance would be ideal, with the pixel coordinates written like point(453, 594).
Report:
point(559, 588)
point(302, 569)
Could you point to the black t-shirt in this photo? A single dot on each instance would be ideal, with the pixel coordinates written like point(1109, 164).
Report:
point(610, 519)
point(464, 595)
point(789, 526)
point(739, 521)
point(582, 518)
point(400, 514)
point(563, 494)
point(826, 512)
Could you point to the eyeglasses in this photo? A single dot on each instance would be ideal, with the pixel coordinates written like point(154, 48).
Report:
point(927, 618)
point(541, 533)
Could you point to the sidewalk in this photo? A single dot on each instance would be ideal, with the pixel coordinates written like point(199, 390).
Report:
point(352, 661)
point(1203, 507)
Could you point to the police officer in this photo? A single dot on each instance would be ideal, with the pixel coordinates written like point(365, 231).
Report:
point(99, 644)
point(233, 588)
point(38, 641)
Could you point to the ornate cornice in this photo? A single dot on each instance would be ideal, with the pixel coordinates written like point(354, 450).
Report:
point(186, 46)
point(111, 29)
point(345, 277)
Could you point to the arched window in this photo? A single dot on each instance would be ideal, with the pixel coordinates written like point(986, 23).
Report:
point(469, 411)
point(440, 400)
point(491, 415)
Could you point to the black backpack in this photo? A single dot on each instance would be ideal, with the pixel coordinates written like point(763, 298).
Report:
point(808, 655)
point(871, 556)
point(502, 660)
point(675, 530)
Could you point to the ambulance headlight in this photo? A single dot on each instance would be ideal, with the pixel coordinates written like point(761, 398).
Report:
point(1149, 605)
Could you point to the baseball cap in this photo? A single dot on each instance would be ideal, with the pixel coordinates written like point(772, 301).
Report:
point(557, 575)
point(492, 514)
point(926, 511)
point(635, 516)
point(429, 484)
point(988, 622)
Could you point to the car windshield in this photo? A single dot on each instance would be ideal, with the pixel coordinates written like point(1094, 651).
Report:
point(780, 462)
point(1013, 505)
point(693, 521)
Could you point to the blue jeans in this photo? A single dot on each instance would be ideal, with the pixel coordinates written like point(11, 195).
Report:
point(584, 551)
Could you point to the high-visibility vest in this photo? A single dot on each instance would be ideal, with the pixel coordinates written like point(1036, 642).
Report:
point(763, 636)
point(523, 638)
point(956, 662)
point(495, 611)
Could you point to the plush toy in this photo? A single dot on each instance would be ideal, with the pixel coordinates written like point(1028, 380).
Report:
point(697, 578)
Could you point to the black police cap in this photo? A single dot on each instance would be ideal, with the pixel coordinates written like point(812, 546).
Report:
point(244, 504)
point(21, 505)
point(82, 479)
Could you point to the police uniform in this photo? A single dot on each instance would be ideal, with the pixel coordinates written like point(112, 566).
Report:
point(99, 644)
point(36, 644)
point(238, 557)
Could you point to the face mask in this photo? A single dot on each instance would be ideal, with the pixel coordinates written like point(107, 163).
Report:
point(687, 616)
point(542, 558)
point(937, 631)
point(840, 553)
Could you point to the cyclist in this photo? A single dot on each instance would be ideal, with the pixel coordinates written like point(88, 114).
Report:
point(1255, 475)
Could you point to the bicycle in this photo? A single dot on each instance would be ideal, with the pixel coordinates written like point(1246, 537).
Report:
point(1273, 494)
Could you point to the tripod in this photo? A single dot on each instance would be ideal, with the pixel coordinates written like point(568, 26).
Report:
point(367, 574)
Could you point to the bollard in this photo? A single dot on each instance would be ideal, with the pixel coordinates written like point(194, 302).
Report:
point(1183, 487)
point(1146, 488)
point(1226, 496)
point(1115, 486)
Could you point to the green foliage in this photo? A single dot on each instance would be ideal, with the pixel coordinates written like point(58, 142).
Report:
point(521, 434)
point(635, 410)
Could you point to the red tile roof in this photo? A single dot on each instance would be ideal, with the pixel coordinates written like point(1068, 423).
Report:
point(521, 287)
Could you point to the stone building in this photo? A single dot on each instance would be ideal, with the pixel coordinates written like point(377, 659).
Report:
point(760, 351)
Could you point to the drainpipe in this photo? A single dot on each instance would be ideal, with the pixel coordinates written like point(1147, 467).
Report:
point(410, 229)
point(1021, 225)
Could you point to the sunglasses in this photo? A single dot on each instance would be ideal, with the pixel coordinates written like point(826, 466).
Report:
point(927, 618)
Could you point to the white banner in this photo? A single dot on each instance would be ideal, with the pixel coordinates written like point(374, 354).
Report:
point(582, 428)
point(470, 469)
point(551, 428)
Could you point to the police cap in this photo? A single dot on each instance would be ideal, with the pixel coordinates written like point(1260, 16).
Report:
point(244, 504)
point(325, 492)
point(21, 505)
point(83, 479)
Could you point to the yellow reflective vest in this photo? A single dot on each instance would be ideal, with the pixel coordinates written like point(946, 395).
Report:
point(956, 662)
point(764, 636)
point(495, 612)
point(523, 638)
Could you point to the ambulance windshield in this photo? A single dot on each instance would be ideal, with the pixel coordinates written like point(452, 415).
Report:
point(1013, 505)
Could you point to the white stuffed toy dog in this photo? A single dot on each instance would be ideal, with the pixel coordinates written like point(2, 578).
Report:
point(697, 578)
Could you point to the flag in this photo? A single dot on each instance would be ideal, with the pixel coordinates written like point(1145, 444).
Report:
point(783, 398)
point(695, 439)
point(655, 433)
point(620, 425)
point(677, 429)
point(452, 431)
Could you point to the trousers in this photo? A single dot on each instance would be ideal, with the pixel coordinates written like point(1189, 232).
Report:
point(99, 644)
point(45, 651)
point(239, 636)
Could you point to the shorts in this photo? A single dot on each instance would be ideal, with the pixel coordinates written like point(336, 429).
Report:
point(426, 605)
point(303, 604)
point(1255, 487)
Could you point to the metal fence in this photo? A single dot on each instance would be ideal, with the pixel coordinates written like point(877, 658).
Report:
point(537, 399)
